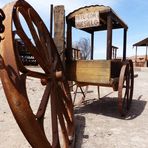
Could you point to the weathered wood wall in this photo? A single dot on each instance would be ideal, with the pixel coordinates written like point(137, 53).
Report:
point(89, 71)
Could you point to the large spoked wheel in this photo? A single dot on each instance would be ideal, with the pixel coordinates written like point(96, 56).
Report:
point(14, 76)
point(125, 87)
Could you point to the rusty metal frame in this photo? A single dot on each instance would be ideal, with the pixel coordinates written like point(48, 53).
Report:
point(13, 75)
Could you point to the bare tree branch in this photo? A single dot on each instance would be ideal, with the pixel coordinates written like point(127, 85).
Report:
point(84, 46)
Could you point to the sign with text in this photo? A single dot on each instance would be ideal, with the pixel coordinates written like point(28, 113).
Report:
point(87, 20)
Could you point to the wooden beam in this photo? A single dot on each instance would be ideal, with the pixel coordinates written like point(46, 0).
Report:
point(117, 19)
point(69, 42)
point(59, 29)
point(51, 19)
point(136, 55)
point(92, 45)
point(124, 44)
point(109, 37)
point(146, 52)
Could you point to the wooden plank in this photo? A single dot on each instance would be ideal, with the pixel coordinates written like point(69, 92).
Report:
point(68, 51)
point(124, 44)
point(109, 38)
point(100, 9)
point(89, 71)
point(59, 29)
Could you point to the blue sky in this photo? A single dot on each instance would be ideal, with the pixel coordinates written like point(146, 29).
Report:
point(133, 12)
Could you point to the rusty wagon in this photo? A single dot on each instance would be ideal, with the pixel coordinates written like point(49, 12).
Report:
point(14, 75)
point(115, 73)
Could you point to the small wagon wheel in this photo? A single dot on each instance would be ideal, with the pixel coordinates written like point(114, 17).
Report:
point(125, 87)
point(14, 75)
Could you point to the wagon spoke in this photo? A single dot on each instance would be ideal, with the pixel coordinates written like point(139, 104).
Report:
point(32, 29)
point(35, 34)
point(64, 105)
point(54, 113)
point(45, 76)
point(44, 101)
point(45, 47)
point(64, 130)
point(27, 41)
point(43, 36)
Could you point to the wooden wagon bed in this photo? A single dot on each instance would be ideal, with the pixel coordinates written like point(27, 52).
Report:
point(94, 72)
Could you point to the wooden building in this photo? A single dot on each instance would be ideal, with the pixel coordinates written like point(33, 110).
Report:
point(141, 61)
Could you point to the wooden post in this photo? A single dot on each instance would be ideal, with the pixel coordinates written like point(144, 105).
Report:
point(146, 53)
point(92, 45)
point(59, 29)
point(136, 55)
point(124, 44)
point(51, 19)
point(69, 42)
point(109, 38)
point(113, 52)
point(69, 49)
point(146, 56)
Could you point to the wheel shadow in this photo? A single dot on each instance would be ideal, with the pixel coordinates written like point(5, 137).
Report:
point(108, 106)
point(80, 127)
point(137, 108)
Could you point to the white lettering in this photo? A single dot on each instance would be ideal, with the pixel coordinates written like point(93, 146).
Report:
point(87, 20)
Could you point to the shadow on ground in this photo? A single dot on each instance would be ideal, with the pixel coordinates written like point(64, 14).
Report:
point(80, 126)
point(105, 106)
point(108, 106)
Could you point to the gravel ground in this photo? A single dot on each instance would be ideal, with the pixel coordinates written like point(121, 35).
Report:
point(98, 123)
point(101, 126)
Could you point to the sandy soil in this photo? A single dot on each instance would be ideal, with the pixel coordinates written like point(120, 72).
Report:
point(98, 123)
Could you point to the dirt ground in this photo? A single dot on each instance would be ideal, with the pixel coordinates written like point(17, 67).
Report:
point(98, 123)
